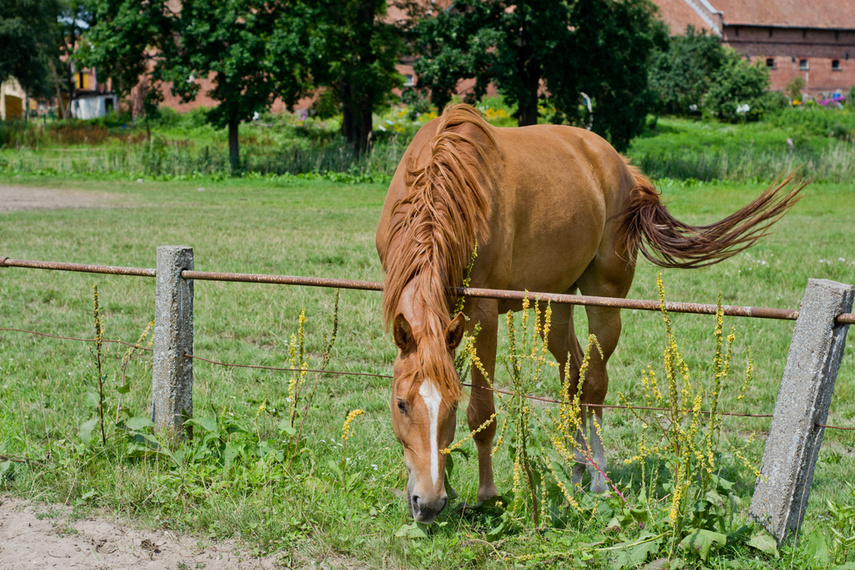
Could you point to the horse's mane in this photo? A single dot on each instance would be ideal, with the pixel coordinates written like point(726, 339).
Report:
point(435, 226)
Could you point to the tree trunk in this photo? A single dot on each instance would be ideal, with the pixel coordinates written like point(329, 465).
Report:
point(61, 107)
point(357, 120)
point(527, 109)
point(234, 149)
point(356, 102)
point(529, 72)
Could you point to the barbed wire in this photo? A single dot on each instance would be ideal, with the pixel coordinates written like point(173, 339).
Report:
point(387, 376)
point(280, 369)
point(107, 340)
point(617, 406)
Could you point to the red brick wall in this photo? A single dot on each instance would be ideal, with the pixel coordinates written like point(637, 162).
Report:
point(818, 47)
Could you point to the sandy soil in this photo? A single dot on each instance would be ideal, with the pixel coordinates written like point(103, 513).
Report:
point(45, 536)
point(16, 198)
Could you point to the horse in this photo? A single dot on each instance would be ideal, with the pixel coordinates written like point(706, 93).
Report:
point(551, 209)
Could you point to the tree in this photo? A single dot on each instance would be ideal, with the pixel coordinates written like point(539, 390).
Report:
point(737, 88)
point(124, 44)
point(550, 51)
point(614, 44)
point(681, 74)
point(356, 60)
point(256, 51)
point(28, 46)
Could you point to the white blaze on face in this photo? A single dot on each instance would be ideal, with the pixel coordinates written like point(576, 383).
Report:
point(432, 399)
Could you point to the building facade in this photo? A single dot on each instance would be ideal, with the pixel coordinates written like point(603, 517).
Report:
point(792, 38)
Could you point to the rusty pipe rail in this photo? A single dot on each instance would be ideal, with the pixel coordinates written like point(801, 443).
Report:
point(78, 267)
point(638, 304)
point(282, 280)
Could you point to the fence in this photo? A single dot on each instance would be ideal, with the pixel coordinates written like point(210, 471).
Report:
point(798, 423)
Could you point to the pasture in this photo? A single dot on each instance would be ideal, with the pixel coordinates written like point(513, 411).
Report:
point(342, 498)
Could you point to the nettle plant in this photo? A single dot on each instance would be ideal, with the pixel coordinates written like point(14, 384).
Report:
point(684, 507)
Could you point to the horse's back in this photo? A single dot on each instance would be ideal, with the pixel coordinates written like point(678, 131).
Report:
point(552, 189)
point(557, 190)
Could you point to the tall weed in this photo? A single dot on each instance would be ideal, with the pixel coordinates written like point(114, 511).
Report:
point(683, 505)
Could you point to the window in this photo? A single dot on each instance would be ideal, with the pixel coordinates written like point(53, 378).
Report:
point(835, 65)
point(770, 62)
point(803, 65)
point(408, 80)
point(81, 81)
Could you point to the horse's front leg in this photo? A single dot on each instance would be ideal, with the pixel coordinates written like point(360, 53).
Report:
point(481, 406)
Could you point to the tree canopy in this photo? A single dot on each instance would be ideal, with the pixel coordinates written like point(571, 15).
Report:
point(357, 60)
point(698, 74)
point(681, 74)
point(124, 44)
point(28, 47)
point(254, 48)
point(255, 51)
point(546, 53)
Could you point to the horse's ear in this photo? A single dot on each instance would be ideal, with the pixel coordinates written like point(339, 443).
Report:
point(402, 332)
point(454, 331)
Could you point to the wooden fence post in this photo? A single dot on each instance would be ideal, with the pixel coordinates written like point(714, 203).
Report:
point(172, 372)
point(786, 472)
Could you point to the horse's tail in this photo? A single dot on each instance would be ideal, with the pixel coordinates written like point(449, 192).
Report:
point(645, 225)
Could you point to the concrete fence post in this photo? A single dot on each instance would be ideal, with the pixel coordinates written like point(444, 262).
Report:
point(786, 472)
point(172, 372)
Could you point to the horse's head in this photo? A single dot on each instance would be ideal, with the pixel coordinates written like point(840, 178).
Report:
point(425, 393)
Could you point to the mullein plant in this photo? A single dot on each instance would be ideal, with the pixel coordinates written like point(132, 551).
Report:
point(534, 466)
point(686, 439)
point(544, 443)
point(98, 353)
point(289, 426)
point(299, 364)
point(125, 387)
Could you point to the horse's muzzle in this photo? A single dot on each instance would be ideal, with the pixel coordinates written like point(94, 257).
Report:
point(425, 511)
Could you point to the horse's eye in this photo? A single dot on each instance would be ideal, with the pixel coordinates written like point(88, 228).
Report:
point(402, 407)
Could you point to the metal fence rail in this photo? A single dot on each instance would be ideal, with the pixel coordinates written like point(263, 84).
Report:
point(585, 300)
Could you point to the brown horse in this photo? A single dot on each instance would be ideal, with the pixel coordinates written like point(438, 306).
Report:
point(552, 209)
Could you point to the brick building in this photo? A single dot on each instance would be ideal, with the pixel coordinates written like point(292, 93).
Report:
point(792, 38)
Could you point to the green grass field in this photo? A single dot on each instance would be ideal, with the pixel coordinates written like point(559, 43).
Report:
point(345, 500)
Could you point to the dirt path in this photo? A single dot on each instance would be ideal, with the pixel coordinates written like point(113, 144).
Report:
point(45, 536)
point(17, 198)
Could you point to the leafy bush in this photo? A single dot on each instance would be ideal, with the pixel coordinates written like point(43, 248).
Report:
point(681, 75)
point(736, 89)
point(815, 121)
point(794, 88)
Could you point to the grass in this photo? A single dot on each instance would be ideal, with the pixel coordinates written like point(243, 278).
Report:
point(184, 146)
point(345, 501)
point(820, 142)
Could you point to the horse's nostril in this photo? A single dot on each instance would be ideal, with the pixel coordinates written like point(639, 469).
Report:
point(415, 503)
point(442, 505)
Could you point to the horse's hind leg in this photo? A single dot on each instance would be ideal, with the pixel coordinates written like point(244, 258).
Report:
point(564, 346)
point(608, 276)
